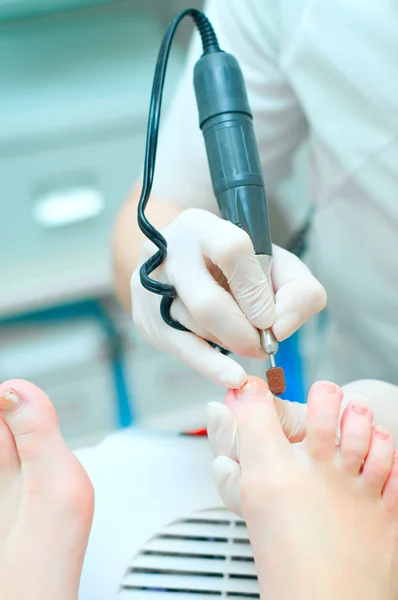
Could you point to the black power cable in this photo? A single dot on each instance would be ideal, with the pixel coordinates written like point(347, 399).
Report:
point(210, 44)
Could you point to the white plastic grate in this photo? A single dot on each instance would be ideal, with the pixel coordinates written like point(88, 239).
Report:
point(204, 556)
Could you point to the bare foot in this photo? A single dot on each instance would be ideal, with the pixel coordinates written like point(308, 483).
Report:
point(46, 500)
point(323, 519)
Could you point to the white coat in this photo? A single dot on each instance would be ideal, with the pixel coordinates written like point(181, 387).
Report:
point(324, 73)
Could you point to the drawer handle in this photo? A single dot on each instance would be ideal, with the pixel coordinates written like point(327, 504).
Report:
point(66, 207)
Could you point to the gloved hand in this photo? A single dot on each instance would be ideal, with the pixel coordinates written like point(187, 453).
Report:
point(223, 296)
point(223, 437)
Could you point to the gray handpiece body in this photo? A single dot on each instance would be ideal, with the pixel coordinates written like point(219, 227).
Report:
point(227, 125)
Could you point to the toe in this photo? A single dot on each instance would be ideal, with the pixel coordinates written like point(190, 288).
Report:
point(324, 403)
point(390, 491)
point(54, 505)
point(265, 456)
point(32, 422)
point(356, 433)
point(260, 435)
point(9, 460)
point(46, 463)
point(378, 463)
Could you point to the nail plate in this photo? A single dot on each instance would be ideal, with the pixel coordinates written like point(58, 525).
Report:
point(253, 389)
point(325, 387)
point(359, 409)
point(10, 401)
point(381, 433)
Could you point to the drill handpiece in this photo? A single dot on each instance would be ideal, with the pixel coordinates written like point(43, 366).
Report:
point(226, 121)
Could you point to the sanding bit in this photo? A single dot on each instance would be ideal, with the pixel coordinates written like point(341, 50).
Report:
point(226, 121)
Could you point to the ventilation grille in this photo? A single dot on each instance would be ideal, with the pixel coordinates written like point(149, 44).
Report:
point(206, 555)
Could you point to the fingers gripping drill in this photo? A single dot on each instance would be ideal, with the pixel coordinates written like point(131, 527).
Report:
point(226, 121)
point(227, 125)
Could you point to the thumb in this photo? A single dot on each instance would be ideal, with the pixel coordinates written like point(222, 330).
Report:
point(222, 430)
point(292, 417)
point(227, 475)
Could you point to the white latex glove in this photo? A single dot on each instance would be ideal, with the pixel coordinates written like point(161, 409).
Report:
point(222, 432)
point(223, 296)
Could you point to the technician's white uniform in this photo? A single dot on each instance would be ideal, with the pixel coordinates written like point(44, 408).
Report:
point(324, 71)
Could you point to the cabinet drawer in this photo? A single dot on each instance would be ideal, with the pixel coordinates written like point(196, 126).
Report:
point(105, 169)
point(70, 360)
point(85, 405)
point(162, 384)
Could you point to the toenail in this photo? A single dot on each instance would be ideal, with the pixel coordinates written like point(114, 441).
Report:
point(381, 433)
point(11, 401)
point(253, 389)
point(325, 387)
point(359, 409)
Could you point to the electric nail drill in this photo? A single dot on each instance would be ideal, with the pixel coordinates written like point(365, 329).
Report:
point(226, 121)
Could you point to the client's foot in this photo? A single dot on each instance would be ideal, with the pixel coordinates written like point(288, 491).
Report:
point(323, 519)
point(46, 500)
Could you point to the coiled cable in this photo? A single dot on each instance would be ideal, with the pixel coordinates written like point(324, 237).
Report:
point(209, 44)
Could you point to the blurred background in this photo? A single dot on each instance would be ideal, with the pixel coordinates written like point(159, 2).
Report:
point(76, 78)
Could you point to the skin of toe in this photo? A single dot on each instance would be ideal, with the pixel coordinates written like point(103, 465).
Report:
point(324, 404)
point(355, 436)
point(379, 461)
point(47, 507)
point(287, 501)
point(390, 490)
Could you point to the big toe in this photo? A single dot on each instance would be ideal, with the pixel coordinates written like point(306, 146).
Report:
point(9, 476)
point(54, 502)
point(260, 435)
point(33, 424)
point(324, 404)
